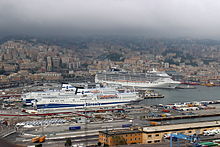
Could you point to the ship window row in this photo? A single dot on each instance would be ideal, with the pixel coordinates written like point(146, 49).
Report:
point(130, 79)
point(57, 100)
point(130, 76)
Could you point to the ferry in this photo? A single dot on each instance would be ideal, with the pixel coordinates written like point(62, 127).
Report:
point(67, 90)
point(82, 101)
point(70, 96)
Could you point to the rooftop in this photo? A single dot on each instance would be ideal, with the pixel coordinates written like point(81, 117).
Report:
point(163, 128)
point(181, 126)
point(120, 131)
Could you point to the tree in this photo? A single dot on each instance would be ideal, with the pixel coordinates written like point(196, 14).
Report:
point(106, 145)
point(2, 71)
point(38, 145)
point(99, 144)
point(68, 143)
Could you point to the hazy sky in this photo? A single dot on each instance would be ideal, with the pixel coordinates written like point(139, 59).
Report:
point(153, 18)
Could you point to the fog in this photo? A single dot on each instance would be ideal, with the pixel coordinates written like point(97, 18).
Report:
point(152, 18)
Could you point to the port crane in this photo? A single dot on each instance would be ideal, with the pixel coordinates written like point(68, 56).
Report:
point(191, 138)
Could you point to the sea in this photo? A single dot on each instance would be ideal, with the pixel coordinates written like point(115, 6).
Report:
point(200, 93)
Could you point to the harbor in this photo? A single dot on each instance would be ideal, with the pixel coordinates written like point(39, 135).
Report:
point(200, 93)
point(54, 124)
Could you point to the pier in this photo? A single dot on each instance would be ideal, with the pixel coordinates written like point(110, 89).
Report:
point(182, 117)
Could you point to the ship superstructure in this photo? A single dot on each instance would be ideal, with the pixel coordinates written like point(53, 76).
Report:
point(152, 79)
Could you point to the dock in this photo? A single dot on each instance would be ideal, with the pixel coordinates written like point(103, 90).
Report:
point(182, 117)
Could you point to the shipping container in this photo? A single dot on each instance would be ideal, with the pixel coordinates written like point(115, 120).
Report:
point(75, 128)
point(126, 125)
point(153, 123)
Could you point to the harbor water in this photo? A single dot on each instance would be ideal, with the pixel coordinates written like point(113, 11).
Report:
point(201, 93)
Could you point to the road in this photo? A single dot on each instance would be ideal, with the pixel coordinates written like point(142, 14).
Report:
point(59, 133)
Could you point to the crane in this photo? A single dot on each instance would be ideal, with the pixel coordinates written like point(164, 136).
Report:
point(192, 138)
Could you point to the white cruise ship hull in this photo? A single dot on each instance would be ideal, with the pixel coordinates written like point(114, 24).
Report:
point(171, 85)
point(87, 101)
point(80, 105)
point(152, 79)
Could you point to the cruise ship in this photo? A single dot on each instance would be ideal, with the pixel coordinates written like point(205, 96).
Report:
point(151, 79)
point(74, 98)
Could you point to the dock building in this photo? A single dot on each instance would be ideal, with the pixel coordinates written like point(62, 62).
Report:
point(153, 134)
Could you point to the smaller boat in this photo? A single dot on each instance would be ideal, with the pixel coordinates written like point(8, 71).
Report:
point(152, 94)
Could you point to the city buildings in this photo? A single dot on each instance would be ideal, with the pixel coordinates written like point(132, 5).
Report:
point(193, 61)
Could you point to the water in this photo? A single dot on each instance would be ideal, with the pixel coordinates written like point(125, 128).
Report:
point(201, 93)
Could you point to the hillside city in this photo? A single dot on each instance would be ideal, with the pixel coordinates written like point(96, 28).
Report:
point(31, 60)
point(109, 73)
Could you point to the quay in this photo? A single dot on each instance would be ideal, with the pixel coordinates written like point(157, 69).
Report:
point(182, 117)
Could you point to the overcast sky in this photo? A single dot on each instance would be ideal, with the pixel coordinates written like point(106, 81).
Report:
point(153, 18)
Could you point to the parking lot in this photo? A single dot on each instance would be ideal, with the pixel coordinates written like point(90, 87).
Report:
point(42, 122)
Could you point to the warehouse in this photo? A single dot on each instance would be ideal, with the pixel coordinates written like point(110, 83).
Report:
point(153, 134)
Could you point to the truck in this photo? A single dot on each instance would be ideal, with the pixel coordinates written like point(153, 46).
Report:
point(153, 123)
point(38, 139)
point(165, 110)
point(126, 125)
point(42, 139)
point(35, 139)
point(74, 128)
